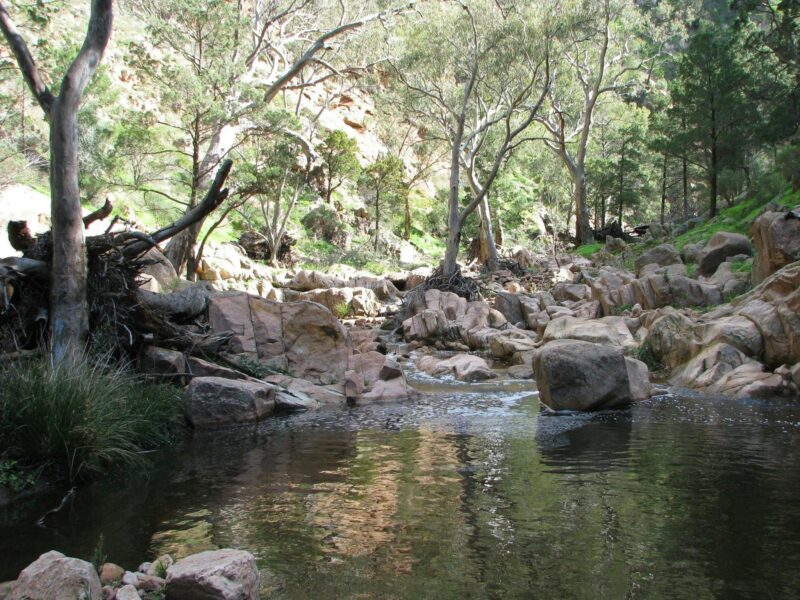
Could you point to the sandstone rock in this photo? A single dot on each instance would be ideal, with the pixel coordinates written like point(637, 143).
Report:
point(663, 255)
point(691, 252)
point(508, 305)
point(777, 243)
point(161, 361)
point(659, 290)
point(393, 390)
point(571, 291)
point(301, 389)
point(212, 402)
point(721, 245)
point(381, 288)
point(612, 331)
point(54, 576)
point(615, 244)
point(110, 572)
point(510, 342)
point(197, 367)
point(452, 305)
point(427, 325)
point(151, 583)
point(465, 367)
point(708, 367)
point(214, 575)
point(638, 379)
point(523, 258)
point(774, 307)
point(160, 274)
point(671, 337)
point(342, 302)
point(127, 592)
point(737, 331)
point(520, 372)
point(306, 281)
point(576, 375)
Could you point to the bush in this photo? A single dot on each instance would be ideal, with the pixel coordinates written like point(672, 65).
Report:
point(82, 419)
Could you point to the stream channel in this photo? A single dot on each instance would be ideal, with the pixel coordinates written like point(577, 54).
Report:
point(474, 491)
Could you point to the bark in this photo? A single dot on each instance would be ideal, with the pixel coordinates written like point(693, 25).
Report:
point(663, 187)
point(69, 321)
point(98, 215)
point(488, 246)
point(377, 218)
point(583, 228)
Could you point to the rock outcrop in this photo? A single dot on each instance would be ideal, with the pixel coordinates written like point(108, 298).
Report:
point(777, 242)
point(300, 338)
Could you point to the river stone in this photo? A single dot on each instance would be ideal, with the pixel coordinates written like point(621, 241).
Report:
point(662, 255)
point(582, 376)
point(110, 572)
point(212, 402)
point(54, 576)
point(214, 575)
point(721, 245)
point(127, 592)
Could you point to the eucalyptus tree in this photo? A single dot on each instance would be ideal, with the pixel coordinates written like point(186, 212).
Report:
point(599, 55)
point(234, 58)
point(384, 182)
point(338, 161)
point(475, 75)
point(69, 321)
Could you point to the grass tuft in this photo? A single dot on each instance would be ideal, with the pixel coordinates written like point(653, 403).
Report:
point(83, 419)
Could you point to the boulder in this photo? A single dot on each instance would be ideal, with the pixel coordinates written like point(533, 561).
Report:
point(452, 305)
point(582, 376)
point(382, 288)
point(300, 338)
point(612, 331)
point(638, 379)
point(662, 255)
point(426, 326)
point(306, 281)
point(661, 289)
point(777, 243)
point(127, 592)
point(574, 292)
point(511, 342)
point(214, 575)
point(671, 337)
point(509, 306)
point(162, 361)
point(54, 576)
point(109, 572)
point(465, 367)
point(212, 402)
point(159, 273)
point(721, 245)
point(342, 302)
point(691, 252)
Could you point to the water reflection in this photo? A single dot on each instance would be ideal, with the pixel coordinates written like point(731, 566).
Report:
point(467, 496)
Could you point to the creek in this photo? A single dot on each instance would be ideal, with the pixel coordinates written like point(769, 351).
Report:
point(474, 491)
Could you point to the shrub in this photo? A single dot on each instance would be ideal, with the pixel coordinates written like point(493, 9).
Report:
point(81, 419)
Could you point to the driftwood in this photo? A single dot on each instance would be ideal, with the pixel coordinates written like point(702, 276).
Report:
point(121, 316)
point(101, 213)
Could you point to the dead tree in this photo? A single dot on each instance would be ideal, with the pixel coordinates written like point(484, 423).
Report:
point(68, 308)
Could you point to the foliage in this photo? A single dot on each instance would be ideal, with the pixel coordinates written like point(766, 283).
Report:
point(13, 477)
point(383, 184)
point(339, 162)
point(83, 419)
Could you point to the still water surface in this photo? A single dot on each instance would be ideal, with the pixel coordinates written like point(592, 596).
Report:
point(472, 492)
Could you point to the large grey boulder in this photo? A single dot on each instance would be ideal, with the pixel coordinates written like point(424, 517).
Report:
point(721, 245)
point(214, 575)
point(662, 255)
point(582, 376)
point(777, 242)
point(54, 576)
point(610, 331)
point(211, 402)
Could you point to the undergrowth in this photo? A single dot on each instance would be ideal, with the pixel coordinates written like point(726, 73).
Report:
point(81, 419)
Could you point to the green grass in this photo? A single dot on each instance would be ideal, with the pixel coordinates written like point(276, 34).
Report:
point(735, 219)
point(587, 250)
point(79, 420)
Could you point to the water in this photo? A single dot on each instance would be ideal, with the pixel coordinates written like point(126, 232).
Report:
point(473, 492)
